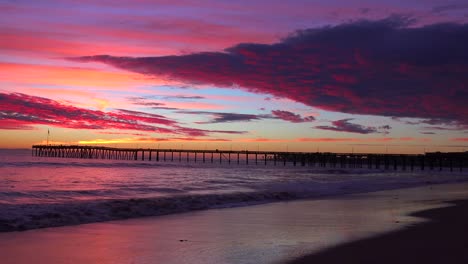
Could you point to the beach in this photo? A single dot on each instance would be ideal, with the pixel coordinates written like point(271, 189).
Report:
point(442, 239)
point(398, 226)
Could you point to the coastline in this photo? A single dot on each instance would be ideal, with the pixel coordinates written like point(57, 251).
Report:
point(440, 239)
point(268, 233)
point(37, 216)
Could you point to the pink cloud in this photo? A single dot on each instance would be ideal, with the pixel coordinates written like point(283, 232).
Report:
point(291, 117)
point(21, 111)
point(264, 140)
point(384, 69)
point(460, 139)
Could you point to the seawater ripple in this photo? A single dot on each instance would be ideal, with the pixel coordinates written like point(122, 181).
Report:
point(36, 193)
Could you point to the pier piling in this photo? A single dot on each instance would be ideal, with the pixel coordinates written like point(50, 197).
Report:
point(449, 161)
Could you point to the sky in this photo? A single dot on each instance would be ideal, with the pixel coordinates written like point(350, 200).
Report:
point(379, 76)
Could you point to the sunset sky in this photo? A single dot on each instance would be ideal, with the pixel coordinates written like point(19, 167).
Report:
point(363, 76)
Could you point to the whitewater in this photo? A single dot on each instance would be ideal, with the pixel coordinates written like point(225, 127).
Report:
point(38, 192)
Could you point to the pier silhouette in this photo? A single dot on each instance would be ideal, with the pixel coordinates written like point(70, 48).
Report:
point(430, 161)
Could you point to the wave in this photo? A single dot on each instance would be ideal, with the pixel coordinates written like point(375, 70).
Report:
point(18, 217)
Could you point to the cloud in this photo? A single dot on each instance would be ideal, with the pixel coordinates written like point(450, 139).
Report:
point(383, 139)
point(444, 8)
point(121, 133)
point(21, 111)
point(220, 117)
point(460, 139)
point(291, 117)
point(148, 140)
point(344, 126)
point(28, 110)
point(264, 140)
point(326, 139)
point(195, 132)
point(183, 97)
point(428, 133)
point(383, 68)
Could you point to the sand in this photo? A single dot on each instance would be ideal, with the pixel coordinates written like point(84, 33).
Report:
point(443, 239)
point(372, 227)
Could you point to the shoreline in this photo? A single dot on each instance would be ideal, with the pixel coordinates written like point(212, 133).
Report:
point(267, 233)
point(441, 238)
point(38, 216)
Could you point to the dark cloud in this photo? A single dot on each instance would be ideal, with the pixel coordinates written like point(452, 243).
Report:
point(443, 128)
point(183, 97)
point(164, 108)
point(21, 111)
point(451, 7)
point(366, 67)
point(427, 132)
point(291, 117)
point(143, 101)
point(364, 10)
point(152, 104)
point(435, 124)
point(345, 126)
point(220, 117)
point(195, 132)
point(157, 105)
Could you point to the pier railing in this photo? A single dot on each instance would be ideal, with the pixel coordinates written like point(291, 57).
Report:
point(430, 161)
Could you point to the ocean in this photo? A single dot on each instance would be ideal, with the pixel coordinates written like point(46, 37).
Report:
point(38, 192)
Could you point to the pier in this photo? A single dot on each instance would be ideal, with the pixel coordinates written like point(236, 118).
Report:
point(429, 161)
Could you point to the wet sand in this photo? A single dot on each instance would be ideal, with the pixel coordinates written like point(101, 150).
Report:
point(370, 227)
point(443, 239)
